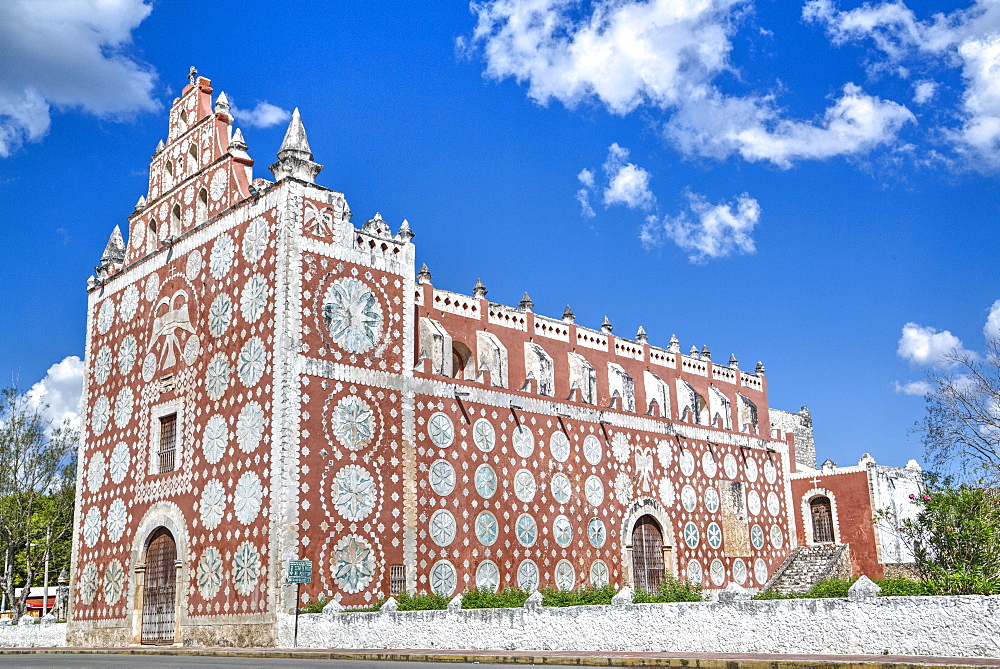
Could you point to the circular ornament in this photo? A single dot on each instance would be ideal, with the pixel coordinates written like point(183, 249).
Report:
point(691, 535)
point(194, 264)
point(106, 316)
point(442, 477)
point(565, 575)
point(753, 502)
point(92, 526)
point(212, 505)
point(218, 186)
point(251, 362)
point(488, 576)
point(209, 573)
point(527, 576)
point(730, 465)
point(739, 571)
point(352, 315)
point(592, 450)
point(562, 531)
point(524, 442)
point(714, 535)
point(353, 423)
point(694, 572)
point(114, 579)
point(221, 258)
point(246, 568)
point(751, 469)
point(594, 489)
point(95, 472)
point(770, 472)
point(88, 583)
point(215, 439)
point(217, 376)
point(130, 302)
point(353, 564)
point(152, 287)
point(483, 435)
point(441, 430)
point(561, 488)
point(599, 575)
point(255, 240)
point(117, 520)
point(220, 314)
point(623, 488)
point(353, 492)
point(665, 453)
point(119, 463)
point(526, 530)
point(253, 298)
point(711, 497)
point(524, 485)
point(123, 407)
point(757, 537)
point(709, 465)
point(100, 415)
point(667, 494)
point(444, 578)
point(102, 365)
point(596, 533)
point(689, 498)
point(442, 527)
point(777, 537)
point(687, 462)
point(559, 446)
point(127, 354)
point(620, 447)
point(250, 426)
point(717, 572)
point(487, 528)
point(247, 498)
point(773, 504)
point(148, 367)
point(760, 571)
point(486, 481)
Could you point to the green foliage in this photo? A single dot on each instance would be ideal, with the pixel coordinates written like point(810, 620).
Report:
point(670, 590)
point(422, 602)
point(314, 607)
point(830, 588)
point(588, 595)
point(900, 586)
point(482, 598)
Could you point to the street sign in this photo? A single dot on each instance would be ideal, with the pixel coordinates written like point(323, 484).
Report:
point(299, 571)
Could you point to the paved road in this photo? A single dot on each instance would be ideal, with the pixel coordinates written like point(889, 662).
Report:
point(57, 661)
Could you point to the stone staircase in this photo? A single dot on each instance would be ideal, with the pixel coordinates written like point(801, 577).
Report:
point(808, 565)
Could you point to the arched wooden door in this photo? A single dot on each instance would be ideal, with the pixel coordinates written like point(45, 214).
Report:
point(647, 554)
point(822, 517)
point(159, 589)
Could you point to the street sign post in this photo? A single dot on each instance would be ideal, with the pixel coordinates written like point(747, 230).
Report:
point(298, 572)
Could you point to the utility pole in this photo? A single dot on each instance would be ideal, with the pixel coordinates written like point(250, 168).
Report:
point(45, 591)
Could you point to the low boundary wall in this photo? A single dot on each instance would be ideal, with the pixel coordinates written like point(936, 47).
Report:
point(37, 635)
point(967, 626)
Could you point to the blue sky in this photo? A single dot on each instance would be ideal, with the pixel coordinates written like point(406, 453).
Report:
point(810, 184)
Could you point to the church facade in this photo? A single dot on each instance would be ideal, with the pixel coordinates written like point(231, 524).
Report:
point(267, 382)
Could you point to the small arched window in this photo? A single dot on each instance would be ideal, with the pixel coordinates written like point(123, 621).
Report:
point(463, 365)
point(175, 221)
point(151, 239)
point(192, 159)
point(201, 208)
point(168, 178)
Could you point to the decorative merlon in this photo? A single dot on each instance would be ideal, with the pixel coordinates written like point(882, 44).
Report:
point(333, 608)
point(526, 304)
point(376, 226)
point(534, 601)
point(424, 275)
point(237, 143)
point(863, 590)
point(734, 593)
point(159, 148)
point(675, 344)
point(606, 326)
point(390, 605)
point(705, 353)
point(479, 290)
point(568, 316)
point(760, 367)
point(641, 335)
point(733, 362)
point(405, 233)
point(456, 603)
point(624, 597)
point(222, 104)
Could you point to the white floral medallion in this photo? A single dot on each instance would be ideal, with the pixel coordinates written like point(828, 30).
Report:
point(444, 578)
point(354, 565)
point(711, 497)
point(594, 489)
point(100, 415)
point(689, 498)
point(247, 498)
point(488, 576)
point(730, 465)
point(442, 477)
point(95, 471)
point(102, 365)
point(559, 446)
point(694, 572)
point(117, 520)
point(352, 315)
point(253, 298)
point(483, 435)
point(623, 488)
point(524, 485)
point(217, 376)
point(220, 315)
point(221, 258)
point(192, 348)
point(487, 528)
point(486, 481)
point(215, 439)
point(757, 537)
point(527, 576)
point(750, 468)
point(353, 423)
point(130, 302)
point(599, 576)
point(441, 430)
point(526, 530)
point(565, 575)
point(217, 188)
point(777, 537)
point(562, 531)
point(442, 527)
point(667, 493)
point(665, 452)
point(148, 367)
point(592, 450)
point(620, 446)
point(717, 572)
point(88, 583)
point(596, 532)
point(246, 570)
point(127, 353)
point(209, 573)
point(195, 263)
point(714, 535)
point(123, 407)
point(251, 362)
point(250, 427)
point(114, 581)
point(760, 571)
point(255, 240)
point(753, 502)
point(739, 571)
point(773, 504)
point(92, 526)
point(119, 463)
point(687, 462)
point(524, 442)
point(354, 493)
point(152, 287)
point(212, 505)
point(709, 465)
point(770, 472)
point(561, 488)
point(106, 316)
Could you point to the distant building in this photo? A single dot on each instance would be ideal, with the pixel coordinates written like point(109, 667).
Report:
point(267, 382)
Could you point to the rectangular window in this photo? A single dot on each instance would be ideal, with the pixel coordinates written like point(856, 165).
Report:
point(397, 579)
point(168, 442)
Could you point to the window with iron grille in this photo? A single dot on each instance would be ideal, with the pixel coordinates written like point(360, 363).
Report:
point(168, 443)
point(397, 579)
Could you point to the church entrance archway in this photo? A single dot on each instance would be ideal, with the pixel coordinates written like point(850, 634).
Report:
point(159, 596)
point(822, 520)
point(647, 554)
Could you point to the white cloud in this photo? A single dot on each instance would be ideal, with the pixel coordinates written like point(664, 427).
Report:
point(924, 91)
point(718, 126)
point(61, 390)
point(991, 331)
point(264, 115)
point(68, 54)
point(628, 184)
point(967, 38)
point(586, 179)
point(912, 387)
point(708, 230)
point(666, 54)
point(925, 346)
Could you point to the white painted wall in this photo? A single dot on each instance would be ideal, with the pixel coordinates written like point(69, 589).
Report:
point(33, 636)
point(950, 626)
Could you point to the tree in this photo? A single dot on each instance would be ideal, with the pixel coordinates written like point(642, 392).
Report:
point(37, 491)
point(961, 429)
